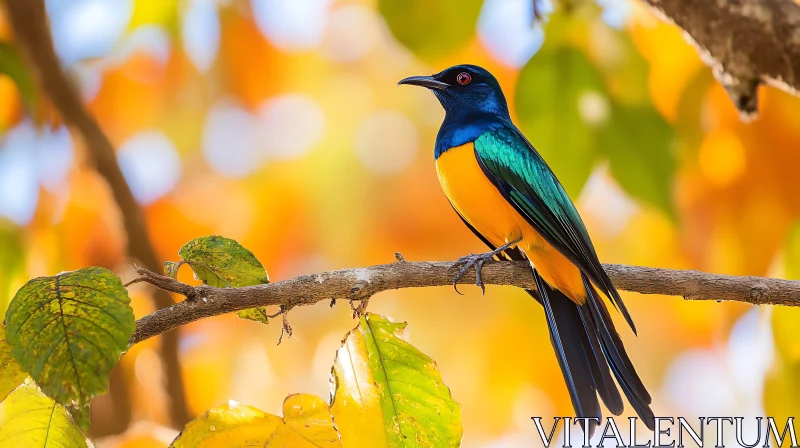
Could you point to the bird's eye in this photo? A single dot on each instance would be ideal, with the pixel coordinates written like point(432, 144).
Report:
point(463, 78)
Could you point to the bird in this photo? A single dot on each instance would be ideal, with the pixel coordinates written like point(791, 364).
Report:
point(508, 196)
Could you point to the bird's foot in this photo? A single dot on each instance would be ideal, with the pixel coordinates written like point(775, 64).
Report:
point(472, 260)
point(478, 260)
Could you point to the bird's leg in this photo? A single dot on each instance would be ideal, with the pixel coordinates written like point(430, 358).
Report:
point(478, 260)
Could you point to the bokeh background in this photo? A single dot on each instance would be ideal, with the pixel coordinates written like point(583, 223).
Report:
point(278, 123)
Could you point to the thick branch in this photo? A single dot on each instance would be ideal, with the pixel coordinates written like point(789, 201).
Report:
point(746, 42)
point(31, 30)
point(361, 283)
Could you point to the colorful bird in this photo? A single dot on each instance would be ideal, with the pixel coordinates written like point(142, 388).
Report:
point(507, 195)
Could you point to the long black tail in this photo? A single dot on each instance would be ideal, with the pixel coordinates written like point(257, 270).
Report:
point(616, 356)
point(586, 345)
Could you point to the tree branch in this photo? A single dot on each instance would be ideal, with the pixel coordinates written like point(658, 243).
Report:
point(745, 42)
point(361, 283)
point(29, 21)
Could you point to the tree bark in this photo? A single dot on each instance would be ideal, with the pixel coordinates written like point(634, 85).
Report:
point(360, 284)
point(745, 42)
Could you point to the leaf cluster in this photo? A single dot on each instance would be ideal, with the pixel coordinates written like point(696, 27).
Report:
point(64, 333)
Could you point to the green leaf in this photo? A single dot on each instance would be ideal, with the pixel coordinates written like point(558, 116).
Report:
point(306, 423)
point(690, 123)
point(258, 314)
point(553, 89)
point(12, 261)
point(624, 69)
point(28, 418)
point(11, 375)
point(639, 145)
point(12, 64)
point(81, 415)
point(223, 263)
point(431, 29)
point(388, 393)
point(69, 330)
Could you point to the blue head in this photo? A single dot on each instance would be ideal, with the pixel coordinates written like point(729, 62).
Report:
point(465, 90)
point(472, 99)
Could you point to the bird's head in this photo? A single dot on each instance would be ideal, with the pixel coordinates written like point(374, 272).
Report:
point(464, 90)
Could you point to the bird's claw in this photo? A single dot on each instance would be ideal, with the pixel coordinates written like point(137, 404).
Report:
point(472, 260)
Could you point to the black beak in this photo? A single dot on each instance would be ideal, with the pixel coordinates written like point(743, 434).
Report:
point(424, 81)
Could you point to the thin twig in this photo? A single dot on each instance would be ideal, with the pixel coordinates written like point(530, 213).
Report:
point(285, 327)
point(363, 283)
point(134, 281)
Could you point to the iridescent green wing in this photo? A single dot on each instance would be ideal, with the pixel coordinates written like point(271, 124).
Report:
point(528, 184)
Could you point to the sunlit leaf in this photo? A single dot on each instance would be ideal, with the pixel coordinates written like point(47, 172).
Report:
point(12, 64)
point(223, 263)
point(781, 387)
point(308, 416)
point(557, 93)
point(163, 13)
point(12, 262)
point(639, 146)
point(623, 66)
point(69, 330)
point(28, 418)
point(781, 390)
point(784, 324)
point(689, 124)
point(306, 423)
point(257, 314)
point(431, 29)
point(388, 393)
point(11, 375)
point(229, 426)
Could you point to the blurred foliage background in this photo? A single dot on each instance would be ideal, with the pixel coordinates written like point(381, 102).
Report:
point(278, 123)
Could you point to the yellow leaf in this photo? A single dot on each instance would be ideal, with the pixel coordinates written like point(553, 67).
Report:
point(306, 424)
point(780, 387)
point(356, 405)
point(722, 157)
point(308, 415)
point(11, 375)
point(30, 418)
point(388, 393)
point(163, 13)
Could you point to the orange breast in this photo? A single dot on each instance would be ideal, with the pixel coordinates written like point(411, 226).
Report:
point(481, 204)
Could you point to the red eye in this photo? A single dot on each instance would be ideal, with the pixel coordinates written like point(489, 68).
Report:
point(463, 78)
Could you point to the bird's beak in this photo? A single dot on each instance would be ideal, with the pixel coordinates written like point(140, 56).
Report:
point(424, 81)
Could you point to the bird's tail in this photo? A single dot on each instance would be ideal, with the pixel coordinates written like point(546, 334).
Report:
point(587, 345)
point(618, 359)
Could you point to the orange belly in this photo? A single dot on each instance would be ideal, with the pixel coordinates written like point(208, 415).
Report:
point(481, 204)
